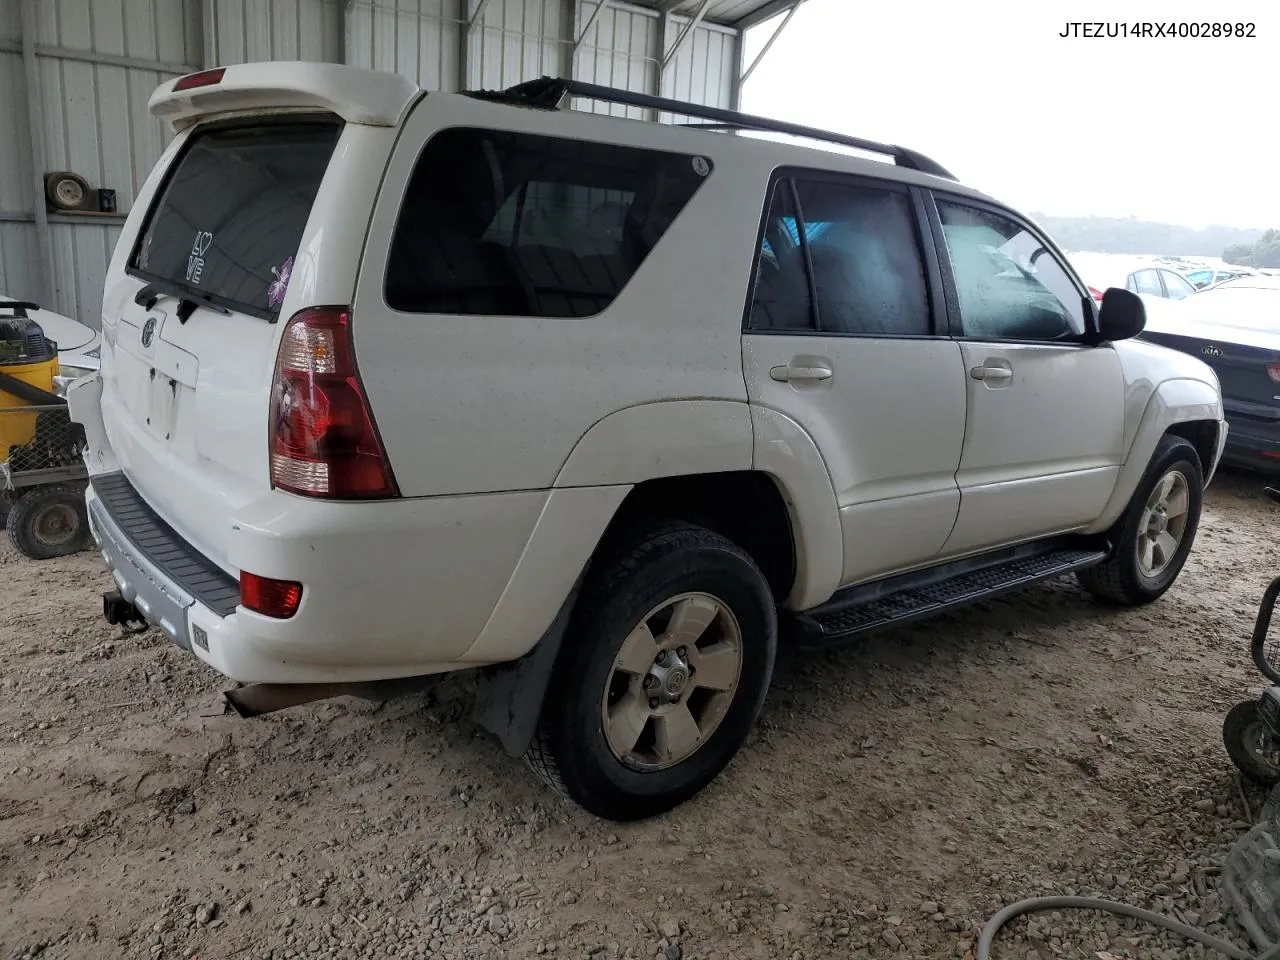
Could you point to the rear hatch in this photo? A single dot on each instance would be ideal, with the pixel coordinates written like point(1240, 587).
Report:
point(187, 367)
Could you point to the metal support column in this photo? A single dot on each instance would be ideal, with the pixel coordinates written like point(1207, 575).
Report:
point(46, 292)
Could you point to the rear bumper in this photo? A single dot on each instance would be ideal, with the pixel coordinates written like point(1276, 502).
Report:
point(370, 609)
point(393, 588)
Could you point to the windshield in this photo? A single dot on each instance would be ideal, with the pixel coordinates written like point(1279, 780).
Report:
point(228, 222)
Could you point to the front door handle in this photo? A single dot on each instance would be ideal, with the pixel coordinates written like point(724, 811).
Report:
point(807, 370)
point(991, 373)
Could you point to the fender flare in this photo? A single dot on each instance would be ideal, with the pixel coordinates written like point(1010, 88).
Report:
point(692, 436)
point(1184, 400)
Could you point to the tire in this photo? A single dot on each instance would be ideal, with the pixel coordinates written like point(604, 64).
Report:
point(68, 191)
point(48, 522)
point(1239, 731)
point(607, 661)
point(1122, 579)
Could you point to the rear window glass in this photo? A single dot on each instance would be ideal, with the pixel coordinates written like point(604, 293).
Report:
point(228, 222)
point(510, 224)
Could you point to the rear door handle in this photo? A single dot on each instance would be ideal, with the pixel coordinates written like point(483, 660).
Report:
point(802, 370)
point(991, 373)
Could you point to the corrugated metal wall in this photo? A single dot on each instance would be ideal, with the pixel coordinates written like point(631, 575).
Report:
point(242, 31)
point(99, 61)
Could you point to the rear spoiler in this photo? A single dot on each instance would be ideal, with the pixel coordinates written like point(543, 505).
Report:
point(354, 94)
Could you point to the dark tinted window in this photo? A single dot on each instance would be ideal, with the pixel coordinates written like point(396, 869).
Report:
point(1010, 286)
point(511, 224)
point(867, 272)
point(781, 300)
point(228, 221)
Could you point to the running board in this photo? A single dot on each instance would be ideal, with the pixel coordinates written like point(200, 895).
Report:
point(864, 608)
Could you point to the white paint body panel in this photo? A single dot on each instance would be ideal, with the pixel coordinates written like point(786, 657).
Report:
point(889, 425)
point(515, 439)
point(1042, 449)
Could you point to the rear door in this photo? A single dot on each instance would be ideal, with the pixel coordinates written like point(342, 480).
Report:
point(1043, 441)
point(841, 338)
point(188, 365)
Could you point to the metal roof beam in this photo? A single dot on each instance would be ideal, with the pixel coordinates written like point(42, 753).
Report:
point(590, 25)
point(766, 11)
point(686, 32)
point(477, 17)
point(777, 32)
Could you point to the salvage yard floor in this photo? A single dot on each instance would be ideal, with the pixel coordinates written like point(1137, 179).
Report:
point(896, 792)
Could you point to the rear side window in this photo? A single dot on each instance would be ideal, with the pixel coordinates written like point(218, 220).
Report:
point(867, 268)
point(513, 224)
point(228, 221)
point(854, 245)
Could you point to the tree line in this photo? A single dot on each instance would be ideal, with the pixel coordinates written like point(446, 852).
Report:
point(1263, 252)
point(1133, 236)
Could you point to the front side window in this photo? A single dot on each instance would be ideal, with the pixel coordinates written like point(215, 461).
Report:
point(229, 219)
point(1010, 286)
point(512, 224)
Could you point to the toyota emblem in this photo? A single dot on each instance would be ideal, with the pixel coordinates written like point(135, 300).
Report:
point(1211, 350)
point(148, 331)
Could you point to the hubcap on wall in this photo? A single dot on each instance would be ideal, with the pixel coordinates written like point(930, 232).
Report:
point(672, 682)
point(1163, 523)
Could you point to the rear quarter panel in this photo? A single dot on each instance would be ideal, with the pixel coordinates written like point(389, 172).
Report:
point(475, 404)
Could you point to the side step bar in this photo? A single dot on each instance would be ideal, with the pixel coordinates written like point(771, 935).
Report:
point(864, 608)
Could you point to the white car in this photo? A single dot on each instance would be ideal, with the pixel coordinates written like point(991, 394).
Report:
point(77, 344)
point(396, 383)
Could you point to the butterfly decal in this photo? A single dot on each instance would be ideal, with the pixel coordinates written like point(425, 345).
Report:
point(279, 286)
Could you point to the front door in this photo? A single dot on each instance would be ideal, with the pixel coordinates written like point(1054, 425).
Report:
point(840, 339)
point(1044, 431)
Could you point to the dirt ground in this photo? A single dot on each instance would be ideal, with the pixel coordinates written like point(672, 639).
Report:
point(895, 793)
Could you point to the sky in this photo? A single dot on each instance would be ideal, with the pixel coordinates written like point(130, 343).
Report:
point(1174, 130)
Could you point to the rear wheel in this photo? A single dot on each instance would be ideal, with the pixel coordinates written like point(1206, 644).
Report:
point(48, 522)
point(1154, 536)
point(663, 674)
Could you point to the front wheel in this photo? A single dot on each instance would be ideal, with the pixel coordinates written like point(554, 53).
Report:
point(663, 673)
point(1154, 536)
point(1250, 745)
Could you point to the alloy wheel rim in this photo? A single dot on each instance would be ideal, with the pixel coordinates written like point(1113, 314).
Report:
point(1163, 523)
point(673, 680)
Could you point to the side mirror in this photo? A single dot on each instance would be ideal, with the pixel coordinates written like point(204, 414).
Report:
point(1121, 316)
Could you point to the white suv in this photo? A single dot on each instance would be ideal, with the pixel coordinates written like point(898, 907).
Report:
point(397, 383)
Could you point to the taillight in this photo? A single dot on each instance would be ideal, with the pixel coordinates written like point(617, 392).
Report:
point(1095, 293)
point(270, 597)
point(322, 437)
point(1273, 371)
point(205, 78)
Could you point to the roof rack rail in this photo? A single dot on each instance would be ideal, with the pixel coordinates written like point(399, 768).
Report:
point(549, 93)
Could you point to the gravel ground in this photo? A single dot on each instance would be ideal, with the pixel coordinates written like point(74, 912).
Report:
point(894, 795)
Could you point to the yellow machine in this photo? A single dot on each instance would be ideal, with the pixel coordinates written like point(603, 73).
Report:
point(42, 471)
point(28, 364)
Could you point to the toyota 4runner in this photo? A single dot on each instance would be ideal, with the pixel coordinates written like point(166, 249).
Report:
point(397, 383)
